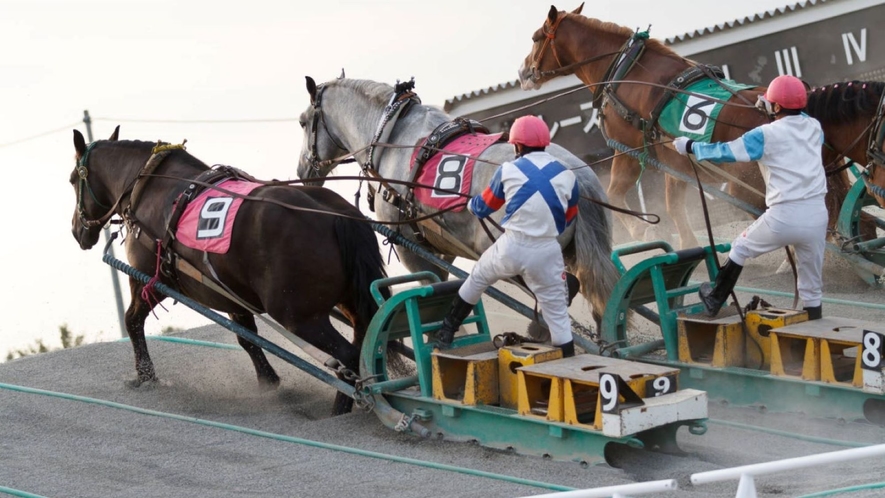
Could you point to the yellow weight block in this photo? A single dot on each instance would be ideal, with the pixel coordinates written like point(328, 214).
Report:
point(785, 356)
point(828, 349)
point(512, 357)
point(540, 396)
point(718, 342)
point(468, 375)
point(759, 322)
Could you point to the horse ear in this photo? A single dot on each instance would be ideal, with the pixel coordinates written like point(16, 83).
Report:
point(79, 143)
point(342, 74)
point(578, 10)
point(311, 89)
point(552, 15)
point(116, 134)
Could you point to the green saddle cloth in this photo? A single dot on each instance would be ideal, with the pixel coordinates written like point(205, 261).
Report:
point(692, 115)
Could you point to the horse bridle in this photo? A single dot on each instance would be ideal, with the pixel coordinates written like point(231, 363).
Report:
point(83, 174)
point(548, 41)
point(549, 37)
point(158, 153)
point(313, 159)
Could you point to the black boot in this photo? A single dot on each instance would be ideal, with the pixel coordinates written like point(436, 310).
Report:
point(452, 321)
point(714, 296)
point(815, 312)
point(568, 349)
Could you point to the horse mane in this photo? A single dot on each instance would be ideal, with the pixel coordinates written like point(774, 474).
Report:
point(141, 145)
point(377, 92)
point(844, 101)
point(621, 32)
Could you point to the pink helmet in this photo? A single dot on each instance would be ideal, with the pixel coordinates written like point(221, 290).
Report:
point(788, 91)
point(530, 131)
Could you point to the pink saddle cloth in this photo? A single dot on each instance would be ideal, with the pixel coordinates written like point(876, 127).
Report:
point(208, 221)
point(451, 169)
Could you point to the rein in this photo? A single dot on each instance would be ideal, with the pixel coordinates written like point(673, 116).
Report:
point(647, 217)
point(404, 94)
point(312, 210)
point(590, 86)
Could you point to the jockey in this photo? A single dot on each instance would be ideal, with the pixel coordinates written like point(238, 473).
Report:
point(789, 153)
point(540, 199)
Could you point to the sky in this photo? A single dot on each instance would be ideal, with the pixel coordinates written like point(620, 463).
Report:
point(161, 68)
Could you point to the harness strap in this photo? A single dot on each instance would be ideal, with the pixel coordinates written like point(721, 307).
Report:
point(225, 291)
point(402, 99)
point(442, 135)
point(874, 148)
point(158, 154)
point(445, 238)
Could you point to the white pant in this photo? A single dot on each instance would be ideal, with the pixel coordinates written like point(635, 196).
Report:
point(539, 261)
point(800, 224)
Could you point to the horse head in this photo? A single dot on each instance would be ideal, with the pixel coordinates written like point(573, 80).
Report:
point(94, 199)
point(319, 145)
point(545, 59)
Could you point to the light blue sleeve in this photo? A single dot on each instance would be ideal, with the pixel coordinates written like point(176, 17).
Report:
point(749, 147)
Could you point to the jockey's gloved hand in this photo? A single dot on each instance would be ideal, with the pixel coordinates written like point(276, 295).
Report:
point(682, 145)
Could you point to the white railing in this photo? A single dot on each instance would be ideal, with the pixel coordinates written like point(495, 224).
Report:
point(619, 491)
point(747, 486)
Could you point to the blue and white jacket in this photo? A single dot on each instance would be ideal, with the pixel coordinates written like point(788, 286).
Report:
point(789, 151)
point(540, 196)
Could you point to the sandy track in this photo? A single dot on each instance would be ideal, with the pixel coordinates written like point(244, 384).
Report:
point(59, 447)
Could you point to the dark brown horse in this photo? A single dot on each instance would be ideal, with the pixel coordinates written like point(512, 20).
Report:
point(293, 265)
point(850, 113)
point(569, 43)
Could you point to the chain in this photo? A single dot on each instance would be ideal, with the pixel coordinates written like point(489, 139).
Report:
point(511, 339)
point(755, 303)
point(586, 331)
point(404, 423)
point(362, 398)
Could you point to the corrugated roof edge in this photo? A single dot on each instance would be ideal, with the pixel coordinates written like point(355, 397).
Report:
point(483, 91)
point(746, 20)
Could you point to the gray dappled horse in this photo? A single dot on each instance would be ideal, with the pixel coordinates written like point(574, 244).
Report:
point(344, 120)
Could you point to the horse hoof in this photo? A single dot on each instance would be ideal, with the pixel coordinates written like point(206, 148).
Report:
point(343, 405)
point(142, 383)
point(269, 383)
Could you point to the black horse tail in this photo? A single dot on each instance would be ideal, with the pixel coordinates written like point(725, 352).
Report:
point(363, 265)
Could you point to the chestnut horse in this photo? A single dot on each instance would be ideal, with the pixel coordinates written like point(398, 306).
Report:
point(285, 258)
point(569, 43)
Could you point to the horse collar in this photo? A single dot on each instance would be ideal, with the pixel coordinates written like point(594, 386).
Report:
point(401, 100)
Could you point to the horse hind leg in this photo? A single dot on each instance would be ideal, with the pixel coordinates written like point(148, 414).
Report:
point(267, 376)
point(320, 333)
